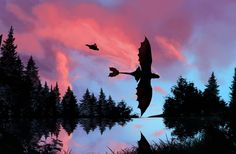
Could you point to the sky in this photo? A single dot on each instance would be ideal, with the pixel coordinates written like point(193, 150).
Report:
point(188, 38)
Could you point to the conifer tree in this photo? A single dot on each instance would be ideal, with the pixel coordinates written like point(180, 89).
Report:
point(186, 100)
point(31, 73)
point(211, 96)
point(93, 106)
point(83, 107)
point(57, 99)
point(44, 100)
point(54, 107)
point(232, 104)
point(111, 107)
point(11, 78)
point(174, 105)
point(102, 103)
point(69, 104)
point(10, 63)
point(124, 111)
point(34, 85)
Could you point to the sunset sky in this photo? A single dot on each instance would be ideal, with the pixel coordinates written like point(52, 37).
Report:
point(191, 38)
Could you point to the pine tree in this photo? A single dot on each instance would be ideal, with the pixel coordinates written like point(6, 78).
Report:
point(213, 104)
point(174, 105)
point(34, 85)
point(44, 100)
point(69, 104)
point(232, 104)
point(102, 104)
point(11, 65)
point(186, 100)
point(124, 111)
point(57, 99)
point(57, 94)
point(83, 107)
point(11, 78)
point(93, 106)
point(111, 107)
point(54, 106)
point(31, 73)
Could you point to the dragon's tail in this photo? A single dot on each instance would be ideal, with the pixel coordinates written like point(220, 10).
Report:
point(114, 72)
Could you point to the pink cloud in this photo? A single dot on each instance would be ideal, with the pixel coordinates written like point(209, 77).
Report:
point(171, 49)
point(63, 71)
point(159, 133)
point(137, 126)
point(201, 28)
point(160, 90)
point(18, 12)
point(117, 146)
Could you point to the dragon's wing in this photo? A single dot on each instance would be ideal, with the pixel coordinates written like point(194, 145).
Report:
point(143, 145)
point(144, 94)
point(0, 40)
point(145, 56)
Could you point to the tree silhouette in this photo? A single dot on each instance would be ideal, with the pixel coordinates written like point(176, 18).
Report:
point(232, 104)
point(123, 110)
point(11, 70)
point(53, 105)
point(21, 92)
point(111, 107)
point(69, 104)
point(186, 100)
point(93, 106)
point(33, 84)
point(211, 97)
point(31, 73)
point(69, 124)
point(102, 103)
point(83, 107)
point(44, 100)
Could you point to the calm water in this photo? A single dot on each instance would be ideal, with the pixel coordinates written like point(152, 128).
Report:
point(86, 136)
point(116, 138)
point(81, 136)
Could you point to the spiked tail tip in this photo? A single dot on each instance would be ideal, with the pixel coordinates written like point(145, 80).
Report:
point(114, 72)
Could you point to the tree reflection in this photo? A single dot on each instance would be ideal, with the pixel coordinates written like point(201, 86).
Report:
point(41, 136)
point(204, 135)
point(26, 136)
point(89, 125)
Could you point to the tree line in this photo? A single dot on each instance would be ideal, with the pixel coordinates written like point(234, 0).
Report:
point(23, 95)
point(188, 100)
point(101, 107)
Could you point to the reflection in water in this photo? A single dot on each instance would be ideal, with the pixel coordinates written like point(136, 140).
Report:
point(29, 136)
point(192, 136)
point(143, 145)
point(204, 135)
point(41, 136)
point(90, 125)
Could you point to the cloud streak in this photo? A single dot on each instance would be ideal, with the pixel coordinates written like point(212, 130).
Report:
point(176, 29)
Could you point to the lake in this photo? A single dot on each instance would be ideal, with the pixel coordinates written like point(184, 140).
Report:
point(116, 138)
point(98, 136)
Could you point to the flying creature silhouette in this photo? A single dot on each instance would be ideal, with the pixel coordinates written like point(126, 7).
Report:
point(92, 46)
point(142, 75)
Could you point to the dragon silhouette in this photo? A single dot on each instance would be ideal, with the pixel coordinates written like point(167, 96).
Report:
point(142, 75)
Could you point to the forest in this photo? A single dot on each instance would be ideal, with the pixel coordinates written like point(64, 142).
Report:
point(23, 95)
point(187, 100)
